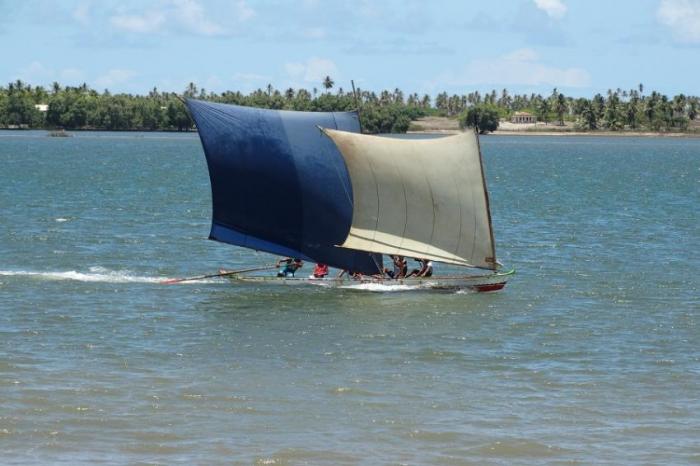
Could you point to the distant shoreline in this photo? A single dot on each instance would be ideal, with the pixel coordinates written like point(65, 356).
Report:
point(499, 132)
point(641, 134)
point(445, 125)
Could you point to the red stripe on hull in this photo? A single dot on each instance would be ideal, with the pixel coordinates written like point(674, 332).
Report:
point(490, 287)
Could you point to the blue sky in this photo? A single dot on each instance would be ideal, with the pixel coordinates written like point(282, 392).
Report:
point(581, 47)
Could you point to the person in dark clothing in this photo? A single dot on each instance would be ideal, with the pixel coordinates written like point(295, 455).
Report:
point(289, 266)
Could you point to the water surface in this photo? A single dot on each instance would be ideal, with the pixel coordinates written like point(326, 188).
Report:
point(589, 355)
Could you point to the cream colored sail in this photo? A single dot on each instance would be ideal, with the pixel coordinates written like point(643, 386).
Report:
point(418, 198)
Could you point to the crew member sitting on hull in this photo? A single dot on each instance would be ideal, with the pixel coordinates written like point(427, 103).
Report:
point(352, 275)
point(288, 266)
point(400, 268)
point(320, 271)
point(426, 269)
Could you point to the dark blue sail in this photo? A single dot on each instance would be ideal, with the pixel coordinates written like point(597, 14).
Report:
point(278, 184)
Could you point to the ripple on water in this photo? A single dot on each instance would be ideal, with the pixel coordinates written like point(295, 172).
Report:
point(588, 355)
point(518, 448)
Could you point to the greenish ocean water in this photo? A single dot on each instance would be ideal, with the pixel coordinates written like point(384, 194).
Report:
point(590, 355)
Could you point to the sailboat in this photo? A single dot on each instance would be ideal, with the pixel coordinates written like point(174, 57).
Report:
point(309, 185)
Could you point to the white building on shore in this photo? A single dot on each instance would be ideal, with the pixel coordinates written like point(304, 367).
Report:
point(523, 117)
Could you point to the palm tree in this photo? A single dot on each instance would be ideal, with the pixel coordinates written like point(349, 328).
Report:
point(328, 83)
point(612, 112)
point(693, 108)
point(633, 111)
point(543, 110)
point(191, 90)
point(589, 115)
point(679, 102)
point(560, 107)
point(650, 110)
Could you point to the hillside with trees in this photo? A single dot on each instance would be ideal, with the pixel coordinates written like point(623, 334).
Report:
point(389, 111)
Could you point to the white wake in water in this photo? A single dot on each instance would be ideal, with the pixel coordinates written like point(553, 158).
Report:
point(95, 274)
point(380, 287)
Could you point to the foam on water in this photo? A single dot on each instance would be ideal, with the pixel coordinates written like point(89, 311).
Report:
point(95, 275)
point(380, 287)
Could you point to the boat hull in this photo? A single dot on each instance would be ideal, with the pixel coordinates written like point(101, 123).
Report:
point(480, 283)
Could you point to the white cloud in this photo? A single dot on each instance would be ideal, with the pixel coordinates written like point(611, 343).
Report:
point(554, 8)
point(187, 15)
point(682, 17)
point(520, 67)
point(190, 14)
point(314, 70)
point(114, 77)
point(148, 22)
point(243, 11)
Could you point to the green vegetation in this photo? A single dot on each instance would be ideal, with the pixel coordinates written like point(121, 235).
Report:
point(483, 117)
point(389, 111)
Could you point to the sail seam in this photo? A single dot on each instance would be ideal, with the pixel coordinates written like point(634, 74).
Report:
point(432, 202)
point(473, 250)
point(405, 204)
point(374, 177)
point(459, 235)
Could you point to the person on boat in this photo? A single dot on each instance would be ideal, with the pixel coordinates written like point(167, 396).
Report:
point(289, 266)
point(425, 270)
point(400, 268)
point(352, 275)
point(320, 271)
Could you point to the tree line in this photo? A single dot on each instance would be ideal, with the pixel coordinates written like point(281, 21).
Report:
point(389, 111)
point(616, 111)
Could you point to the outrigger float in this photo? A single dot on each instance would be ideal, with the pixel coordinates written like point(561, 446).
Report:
point(308, 185)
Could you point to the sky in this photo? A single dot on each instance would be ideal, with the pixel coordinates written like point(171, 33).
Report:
point(580, 47)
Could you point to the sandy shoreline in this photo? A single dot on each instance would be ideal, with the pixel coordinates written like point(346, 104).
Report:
point(443, 125)
point(644, 134)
